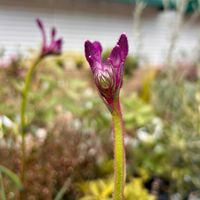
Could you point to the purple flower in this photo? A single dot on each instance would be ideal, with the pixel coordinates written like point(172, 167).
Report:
point(108, 76)
point(55, 45)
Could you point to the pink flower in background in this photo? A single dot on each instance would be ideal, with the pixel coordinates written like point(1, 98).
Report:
point(5, 62)
point(108, 76)
point(55, 45)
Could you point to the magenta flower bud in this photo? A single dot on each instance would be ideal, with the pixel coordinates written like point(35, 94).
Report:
point(108, 76)
point(55, 45)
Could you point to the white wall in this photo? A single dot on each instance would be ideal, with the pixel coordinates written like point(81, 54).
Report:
point(75, 22)
point(79, 20)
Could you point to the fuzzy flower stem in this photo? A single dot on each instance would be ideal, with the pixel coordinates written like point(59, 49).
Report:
point(119, 152)
point(25, 91)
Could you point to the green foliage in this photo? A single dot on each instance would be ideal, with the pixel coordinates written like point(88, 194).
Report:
point(103, 189)
point(161, 122)
point(62, 191)
point(149, 75)
point(177, 103)
point(12, 176)
point(135, 190)
point(136, 113)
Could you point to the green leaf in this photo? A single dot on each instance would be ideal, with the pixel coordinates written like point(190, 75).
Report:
point(12, 176)
point(62, 191)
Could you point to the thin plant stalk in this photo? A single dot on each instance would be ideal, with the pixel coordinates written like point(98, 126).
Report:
point(137, 22)
point(52, 48)
point(119, 152)
point(23, 106)
point(181, 7)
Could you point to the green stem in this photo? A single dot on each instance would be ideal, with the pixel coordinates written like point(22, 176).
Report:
point(23, 120)
point(119, 152)
point(2, 190)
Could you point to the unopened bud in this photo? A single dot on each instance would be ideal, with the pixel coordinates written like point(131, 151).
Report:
point(104, 79)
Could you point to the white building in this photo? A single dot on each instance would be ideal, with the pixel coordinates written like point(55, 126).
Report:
point(78, 20)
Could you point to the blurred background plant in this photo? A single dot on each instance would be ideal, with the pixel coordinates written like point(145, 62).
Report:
point(102, 190)
point(69, 143)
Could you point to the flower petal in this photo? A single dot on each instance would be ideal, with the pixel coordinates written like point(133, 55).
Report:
point(58, 47)
point(123, 43)
point(115, 56)
point(93, 50)
point(41, 27)
point(94, 65)
point(53, 33)
point(88, 49)
point(40, 24)
point(98, 46)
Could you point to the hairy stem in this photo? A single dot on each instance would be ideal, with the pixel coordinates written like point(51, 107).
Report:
point(23, 121)
point(119, 152)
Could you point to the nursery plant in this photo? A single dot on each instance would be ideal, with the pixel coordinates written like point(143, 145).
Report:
point(108, 77)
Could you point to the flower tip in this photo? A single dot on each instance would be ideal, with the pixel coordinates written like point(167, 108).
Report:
point(115, 56)
point(39, 23)
point(58, 46)
point(59, 42)
point(88, 45)
point(123, 34)
point(98, 46)
point(87, 41)
point(53, 32)
point(123, 43)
